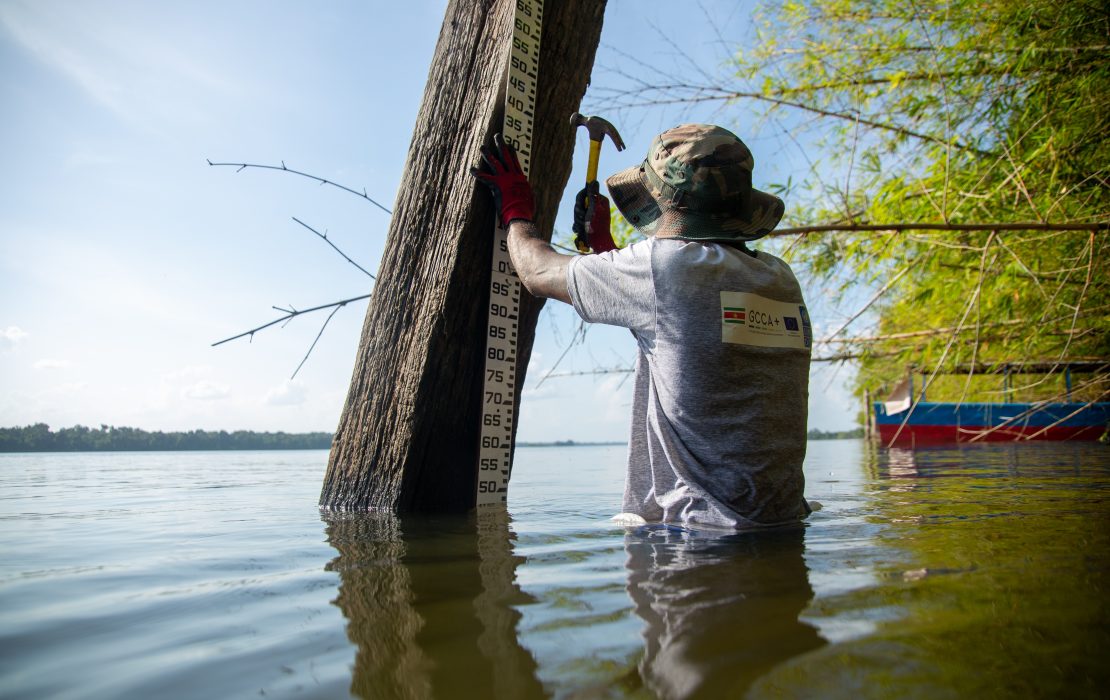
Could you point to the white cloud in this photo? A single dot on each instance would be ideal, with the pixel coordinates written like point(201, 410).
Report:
point(547, 390)
point(206, 390)
point(52, 363)
point(613, 397)
point(11, 336)
point(190, 373)
point(288, 394)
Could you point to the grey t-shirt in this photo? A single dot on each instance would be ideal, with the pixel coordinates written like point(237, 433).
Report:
point(722, 378)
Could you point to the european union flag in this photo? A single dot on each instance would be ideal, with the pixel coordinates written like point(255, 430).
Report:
point(791, 323)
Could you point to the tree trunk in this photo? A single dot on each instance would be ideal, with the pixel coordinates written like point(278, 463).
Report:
point(408, 436)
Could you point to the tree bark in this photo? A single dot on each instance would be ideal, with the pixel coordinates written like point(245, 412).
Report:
point(408, 436)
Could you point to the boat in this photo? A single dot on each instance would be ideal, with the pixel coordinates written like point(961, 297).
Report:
point(904, 419)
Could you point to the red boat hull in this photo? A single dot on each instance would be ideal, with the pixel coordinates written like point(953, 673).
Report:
point(932, 434)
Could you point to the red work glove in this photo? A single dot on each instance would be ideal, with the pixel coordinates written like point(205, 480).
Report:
point(591, 220)
point(512, 195)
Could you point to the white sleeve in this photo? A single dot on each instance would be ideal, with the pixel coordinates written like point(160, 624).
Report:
point(616, 288)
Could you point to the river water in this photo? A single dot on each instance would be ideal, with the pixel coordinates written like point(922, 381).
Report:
point(980, 571)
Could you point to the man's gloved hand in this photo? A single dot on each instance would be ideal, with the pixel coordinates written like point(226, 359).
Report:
point(591, 220)
point(512, 194)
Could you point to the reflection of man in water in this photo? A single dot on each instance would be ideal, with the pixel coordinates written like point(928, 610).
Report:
point(719, 612)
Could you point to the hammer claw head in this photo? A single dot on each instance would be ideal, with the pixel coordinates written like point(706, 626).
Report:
point(598, 129)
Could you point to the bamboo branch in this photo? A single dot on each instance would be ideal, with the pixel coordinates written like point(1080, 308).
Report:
point(1078, 365)
point(928, 381)
point(1090, 249)
point(1036, 407)
point(882, 290)
point(1074, 413)
point(844, 357)
point(322, 181)
point(939, 49)
point(1024, 268)
point(858, 353)
point(1083, 292)
point(948, 140)
point(942, 242)
point(915, 334)
point(1050, 276)
point(927, 226)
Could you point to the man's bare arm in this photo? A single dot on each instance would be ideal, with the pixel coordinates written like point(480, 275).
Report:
point(542, 270)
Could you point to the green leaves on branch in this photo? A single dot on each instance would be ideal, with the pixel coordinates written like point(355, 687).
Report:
point(956, 112)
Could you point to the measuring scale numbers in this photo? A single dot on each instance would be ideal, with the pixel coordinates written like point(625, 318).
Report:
point(499, 381)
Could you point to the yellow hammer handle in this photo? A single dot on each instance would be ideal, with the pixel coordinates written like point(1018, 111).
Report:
point(595, 156)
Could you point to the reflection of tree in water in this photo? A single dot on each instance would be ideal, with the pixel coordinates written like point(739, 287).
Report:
point(429, 604)
point(991, 568)
point(719, 612)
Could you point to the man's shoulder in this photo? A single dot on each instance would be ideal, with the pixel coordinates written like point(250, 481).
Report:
point(712, 253)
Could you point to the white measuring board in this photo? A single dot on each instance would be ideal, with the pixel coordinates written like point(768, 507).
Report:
point(499, 384)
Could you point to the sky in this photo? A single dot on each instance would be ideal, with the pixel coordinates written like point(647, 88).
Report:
point(124, 255)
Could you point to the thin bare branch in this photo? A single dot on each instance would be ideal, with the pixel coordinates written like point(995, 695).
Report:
point(590, 372)
point(322, 181)
point(290, 313)
point(324, 237)
point(580, 331)
point(712, 93)
point(316, 340)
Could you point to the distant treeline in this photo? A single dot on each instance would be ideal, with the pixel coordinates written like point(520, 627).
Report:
point(834, 434)
point(568, 443)
point(108, 438)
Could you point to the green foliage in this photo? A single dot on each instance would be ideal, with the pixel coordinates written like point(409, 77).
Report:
point(815, 434)
point(624, 234)
point(951, 112)
point(39, 438)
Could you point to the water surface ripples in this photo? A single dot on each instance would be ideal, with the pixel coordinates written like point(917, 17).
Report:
point(977, 570)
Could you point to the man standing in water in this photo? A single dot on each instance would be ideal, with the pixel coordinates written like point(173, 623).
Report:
point(722, 374)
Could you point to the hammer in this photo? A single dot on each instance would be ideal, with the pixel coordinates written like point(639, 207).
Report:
point(597, 128)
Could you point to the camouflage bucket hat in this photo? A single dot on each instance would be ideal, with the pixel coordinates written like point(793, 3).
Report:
point(696, 184)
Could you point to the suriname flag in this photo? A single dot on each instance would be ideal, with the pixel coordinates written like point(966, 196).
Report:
point(733, 314)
